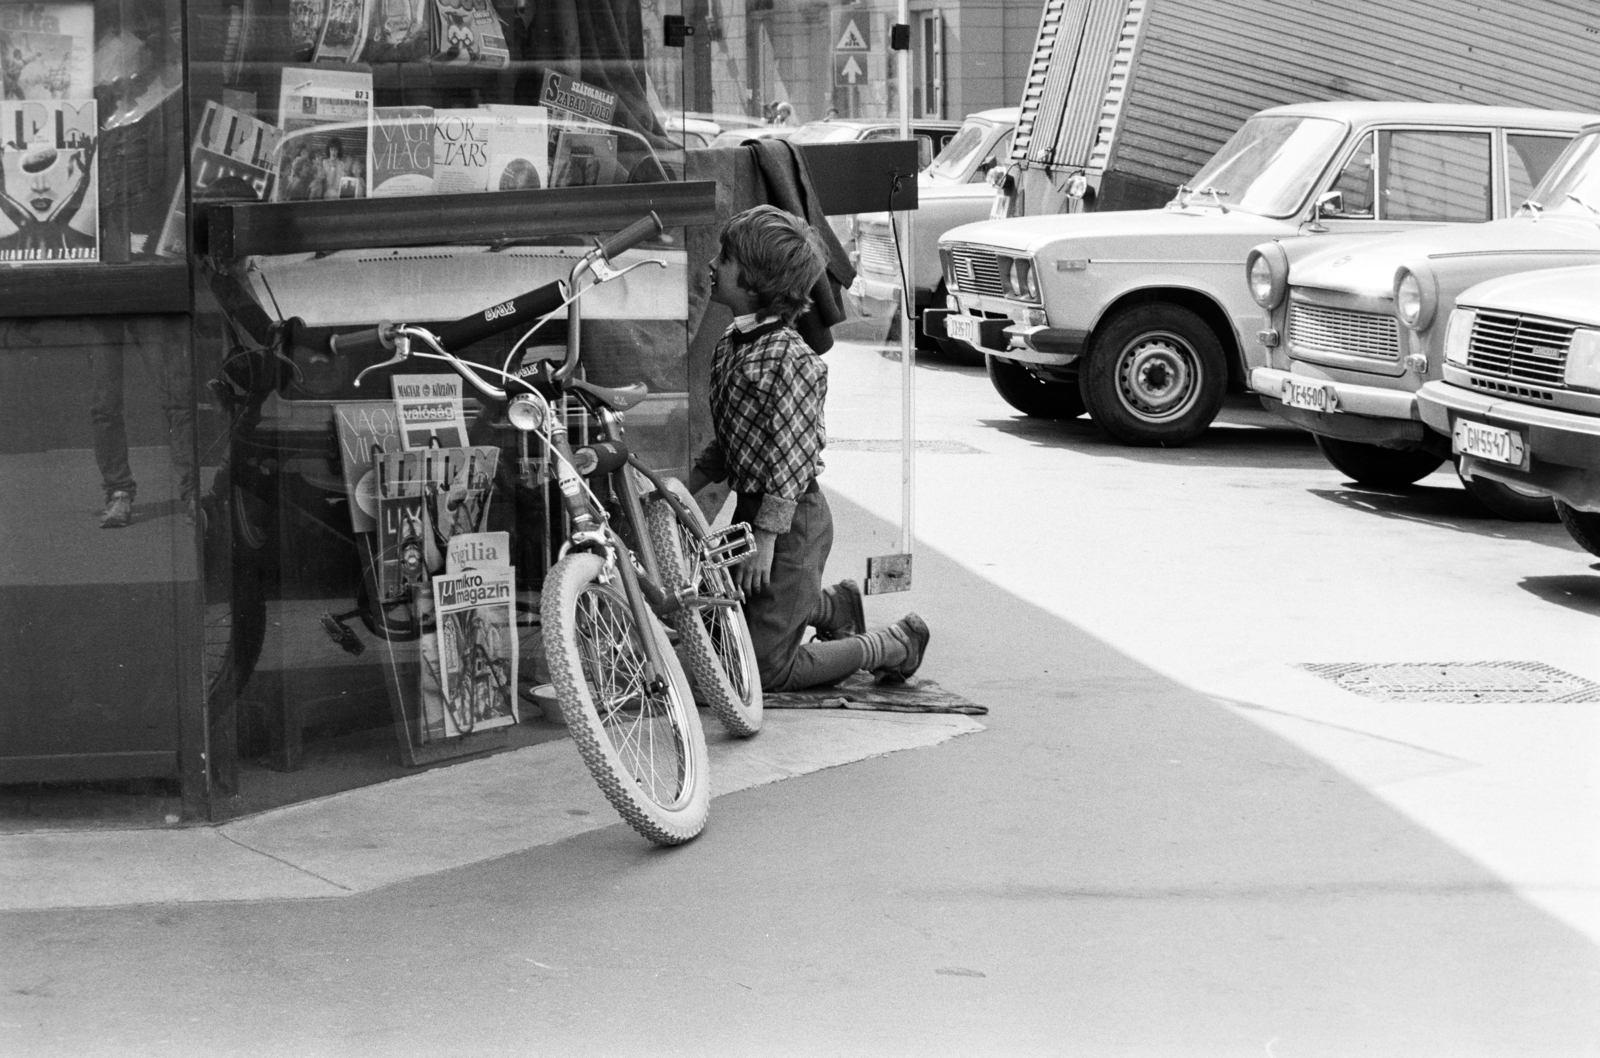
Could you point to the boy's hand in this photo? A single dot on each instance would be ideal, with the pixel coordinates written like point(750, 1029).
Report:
point(754, 574)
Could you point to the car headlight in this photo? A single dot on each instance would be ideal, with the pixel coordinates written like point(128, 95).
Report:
point(949, 269)
point(1267, 270)
point(1415, 296)
point(1020, 280)
point(1583, 359)
point(1458, 336)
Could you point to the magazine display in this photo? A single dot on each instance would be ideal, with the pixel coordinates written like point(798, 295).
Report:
point(425, 498)
point(344, 31)
point(475, 621)
point(461, 151)
point(49, 183)
point(468, 33)
point(400, 161)
point(471, 550)
point(573, 98)
point(46, 51)
point(366, 428)
point(519, 149)
point(231, 161)
point(585, 158)
point(326, 117)
point(398, 31)
point(305, 27)
point(430, 411)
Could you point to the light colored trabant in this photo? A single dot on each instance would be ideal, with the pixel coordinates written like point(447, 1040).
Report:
point(1144, 317)
point(1520, 396)
point(1357, 326)
point(950, 192)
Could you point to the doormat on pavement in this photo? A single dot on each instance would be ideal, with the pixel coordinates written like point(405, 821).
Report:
point(1511, 682)
point(861, 692)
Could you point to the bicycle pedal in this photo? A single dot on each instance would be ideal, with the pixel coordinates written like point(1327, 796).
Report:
point(342, 634)
point(729, 546)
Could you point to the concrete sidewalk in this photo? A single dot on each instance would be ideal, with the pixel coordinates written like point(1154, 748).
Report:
point(373, 836)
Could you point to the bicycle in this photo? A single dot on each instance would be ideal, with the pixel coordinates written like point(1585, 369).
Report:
point(625, 567)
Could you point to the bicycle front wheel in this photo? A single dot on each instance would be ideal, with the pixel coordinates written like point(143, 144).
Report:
point(716, 639)
point(640, 737)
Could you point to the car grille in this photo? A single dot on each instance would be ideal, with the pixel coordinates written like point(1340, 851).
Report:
point(877, 251)
point(977, 271)
point(1519, 349)
point(1325, 330)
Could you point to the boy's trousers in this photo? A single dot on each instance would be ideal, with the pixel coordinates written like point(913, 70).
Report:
point(778, 617)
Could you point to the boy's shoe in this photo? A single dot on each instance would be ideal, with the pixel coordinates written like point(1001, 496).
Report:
point(119, 511)
point(845, 600)
point(912, 632)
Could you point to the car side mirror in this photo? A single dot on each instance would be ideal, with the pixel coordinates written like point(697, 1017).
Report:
point(1330, 204)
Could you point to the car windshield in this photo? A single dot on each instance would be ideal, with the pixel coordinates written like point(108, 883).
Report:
point(960, 153)
point(1572, 186)
point(1268, 167)
point(824, 132)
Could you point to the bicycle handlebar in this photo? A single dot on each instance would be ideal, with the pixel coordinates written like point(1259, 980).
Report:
point(369, 342)
point(631, 236)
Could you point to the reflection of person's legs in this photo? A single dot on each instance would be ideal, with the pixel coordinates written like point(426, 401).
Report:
point(163, 335)
point(110, 429)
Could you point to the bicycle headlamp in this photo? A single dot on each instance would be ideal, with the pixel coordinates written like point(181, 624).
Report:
point(529, 412)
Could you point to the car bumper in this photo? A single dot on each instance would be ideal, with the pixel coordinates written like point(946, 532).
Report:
point(1009, 340)
point(1370, 414)
point(1564, 447)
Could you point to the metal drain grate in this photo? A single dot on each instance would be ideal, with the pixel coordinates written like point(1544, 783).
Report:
point(948, 448)
point(1520, 682)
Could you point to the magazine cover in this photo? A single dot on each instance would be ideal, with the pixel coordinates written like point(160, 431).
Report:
point(49, 187)
point(231, 161)
point(401, 159)
point(46, 51)
point(474, 613)
point(305, 27)
point(398, 31)
point(365, 427)
point(326, 118)
point(472, 550)
point(467, 32)
point(584, 158)
point(430, 411)
point(578, 99)
point(344, 31)
point(461, 151)
point(519, 149)
point(464, 485)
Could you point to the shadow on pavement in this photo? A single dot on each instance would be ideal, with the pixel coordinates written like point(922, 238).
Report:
point(1579, 592)
point(1447, 508)
point(1229, 442)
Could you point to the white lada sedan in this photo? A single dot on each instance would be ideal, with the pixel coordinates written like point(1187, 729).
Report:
point(1144, 318)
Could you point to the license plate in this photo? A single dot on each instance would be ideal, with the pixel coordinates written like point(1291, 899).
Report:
point(962, 329)
point(1489, 442)
point(1310, 396)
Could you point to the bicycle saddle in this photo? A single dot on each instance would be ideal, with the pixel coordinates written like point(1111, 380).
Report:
point(617, 398)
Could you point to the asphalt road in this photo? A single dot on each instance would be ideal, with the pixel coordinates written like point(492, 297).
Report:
point(1169, 840)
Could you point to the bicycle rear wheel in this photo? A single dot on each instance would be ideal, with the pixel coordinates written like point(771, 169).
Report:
point(640, 738)
point(716, 639)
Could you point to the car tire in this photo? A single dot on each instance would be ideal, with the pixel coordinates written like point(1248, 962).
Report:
point(1031, 395)
point(1512, 504)
point(1582, 526)
point(1155, 375)
point(1383, 468)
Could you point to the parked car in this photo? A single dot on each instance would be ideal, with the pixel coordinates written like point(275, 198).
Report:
point(1357, 327)
point(1520, 396)
point(734, 137)
point(1144, 317)
point(690, 131)
point(950, 192)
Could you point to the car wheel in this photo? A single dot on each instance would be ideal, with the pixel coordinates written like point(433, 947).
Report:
point(1510, 502)
point(1032, 395)
point(1384, 468)
point(1155, 375)
point(1582, 526)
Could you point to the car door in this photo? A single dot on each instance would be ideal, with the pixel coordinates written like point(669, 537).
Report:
point(1400, 177)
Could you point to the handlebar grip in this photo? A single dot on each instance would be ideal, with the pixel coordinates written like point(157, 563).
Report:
point(362, 343)
point(631, 236)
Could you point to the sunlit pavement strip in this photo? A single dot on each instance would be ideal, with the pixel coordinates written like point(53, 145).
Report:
point(1224, 571)
point(449, 817)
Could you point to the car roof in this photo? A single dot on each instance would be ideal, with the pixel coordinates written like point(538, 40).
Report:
point(878, 123)
point(1365, 112)
point(1001, 115)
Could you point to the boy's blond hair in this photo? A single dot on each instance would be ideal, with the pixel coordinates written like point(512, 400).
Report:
point(779, 256)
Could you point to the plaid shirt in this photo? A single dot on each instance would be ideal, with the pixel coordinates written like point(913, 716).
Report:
point(767, 392)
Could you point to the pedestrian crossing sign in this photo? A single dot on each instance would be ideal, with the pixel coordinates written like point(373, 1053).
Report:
point(849, 35)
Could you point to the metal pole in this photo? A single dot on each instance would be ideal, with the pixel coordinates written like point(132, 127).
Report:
point(908, 347)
